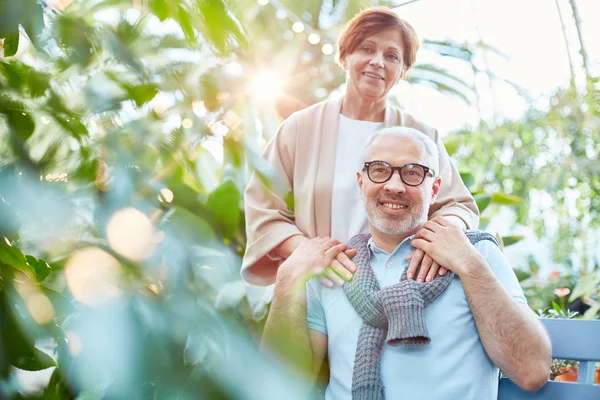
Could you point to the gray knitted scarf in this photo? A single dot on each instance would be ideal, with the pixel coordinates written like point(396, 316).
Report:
point(393, 315)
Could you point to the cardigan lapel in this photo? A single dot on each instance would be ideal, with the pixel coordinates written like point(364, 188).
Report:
point(392, 117)
point(325, 167)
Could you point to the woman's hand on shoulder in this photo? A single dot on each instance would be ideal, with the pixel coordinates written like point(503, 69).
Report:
point(322, 256)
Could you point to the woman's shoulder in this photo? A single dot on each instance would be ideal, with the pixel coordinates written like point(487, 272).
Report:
point(312, 112)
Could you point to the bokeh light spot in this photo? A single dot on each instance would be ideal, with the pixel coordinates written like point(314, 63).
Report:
point(92, 275)
point(130, 233)
point(166, 195)
point(187, 123)
point(298, 27)
point(327, 49)
point(40, 308)
point(199, 108)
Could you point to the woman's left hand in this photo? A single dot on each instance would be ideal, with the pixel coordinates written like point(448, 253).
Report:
point(428, 270)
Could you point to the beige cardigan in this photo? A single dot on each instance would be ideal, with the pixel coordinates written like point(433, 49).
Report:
point(303, 157)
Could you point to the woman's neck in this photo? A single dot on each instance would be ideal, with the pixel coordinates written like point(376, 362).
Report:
point(355, 107)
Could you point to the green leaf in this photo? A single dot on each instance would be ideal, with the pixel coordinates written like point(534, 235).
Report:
point(24, 78)
point(61, 304)
point(36, 361)
point(14, 257)
point(32, 20)
point(593, 311)
point(556, 308)
point(18, 118)
point(41, 267)
point(468, 179)
point(506, 199)
point(221, 28)
point(20, 352)
point(183, 18)
point(289, 201)
point(508, 240)
point(11, 44)
point(483, 200)
point(587, 285)
point(160, 8)
point(451, 143)
point(224, 202)
point(189, 226)
point(141, 94)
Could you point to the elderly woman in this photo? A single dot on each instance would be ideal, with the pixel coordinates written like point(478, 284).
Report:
point(316, 153)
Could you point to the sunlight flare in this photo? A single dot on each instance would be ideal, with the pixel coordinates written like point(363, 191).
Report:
point(265, 86)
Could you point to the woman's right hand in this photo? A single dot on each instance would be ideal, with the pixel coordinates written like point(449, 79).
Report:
point(305, 260)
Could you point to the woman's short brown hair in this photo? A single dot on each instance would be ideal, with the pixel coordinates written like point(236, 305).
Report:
point(375, 20)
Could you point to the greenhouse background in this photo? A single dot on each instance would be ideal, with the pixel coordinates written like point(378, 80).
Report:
point(129, 129)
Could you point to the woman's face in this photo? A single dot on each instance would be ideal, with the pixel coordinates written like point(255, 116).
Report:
point(375, 65)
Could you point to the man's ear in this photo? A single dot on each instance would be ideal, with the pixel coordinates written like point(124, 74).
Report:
point(435, 189)
point(360, 183)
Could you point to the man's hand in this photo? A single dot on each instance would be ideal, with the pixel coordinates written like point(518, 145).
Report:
point(447, 245)
point(317, 256)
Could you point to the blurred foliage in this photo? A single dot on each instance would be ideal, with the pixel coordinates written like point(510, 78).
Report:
point(121, 231)
point(550, 158)
point(588, 290)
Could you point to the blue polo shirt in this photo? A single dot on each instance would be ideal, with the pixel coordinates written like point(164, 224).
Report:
point(453, 366)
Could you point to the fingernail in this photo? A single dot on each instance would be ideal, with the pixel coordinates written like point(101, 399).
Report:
point(340, 283)
point(442, 273)
point(428, 279)
point(420, 280)
point(409, 276)
point(329, 284)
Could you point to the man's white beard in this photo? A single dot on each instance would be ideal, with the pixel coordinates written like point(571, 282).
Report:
point(395, 227)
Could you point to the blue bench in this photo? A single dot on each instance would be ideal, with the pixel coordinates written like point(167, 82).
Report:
point(572, 339)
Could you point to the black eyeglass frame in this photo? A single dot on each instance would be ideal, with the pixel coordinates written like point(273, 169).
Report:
point(427, 170)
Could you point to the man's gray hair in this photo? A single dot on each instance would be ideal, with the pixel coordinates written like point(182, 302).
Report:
point(408, 134)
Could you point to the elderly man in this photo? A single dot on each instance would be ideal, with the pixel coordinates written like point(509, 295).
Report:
point(388, 337)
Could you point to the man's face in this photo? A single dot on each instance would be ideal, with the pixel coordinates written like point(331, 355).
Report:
point(394, 208)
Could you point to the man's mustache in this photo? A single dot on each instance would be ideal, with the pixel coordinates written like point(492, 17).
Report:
point(394, 198)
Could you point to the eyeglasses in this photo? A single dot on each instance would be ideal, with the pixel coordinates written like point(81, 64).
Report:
point(410, 174)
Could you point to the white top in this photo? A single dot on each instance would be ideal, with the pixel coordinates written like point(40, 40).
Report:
point(348, 216)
